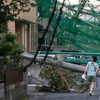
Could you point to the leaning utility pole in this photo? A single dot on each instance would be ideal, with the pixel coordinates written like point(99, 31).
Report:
point(61, 64)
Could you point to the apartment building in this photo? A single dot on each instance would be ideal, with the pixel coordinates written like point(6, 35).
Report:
point(26, 29)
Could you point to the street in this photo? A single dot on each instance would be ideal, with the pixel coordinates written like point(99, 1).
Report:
point(67, 96)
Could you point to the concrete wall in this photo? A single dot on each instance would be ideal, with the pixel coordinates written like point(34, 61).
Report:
point(15, 84)
point(33, 73)
point(34, 70)
point(1, 65)
point(16, 91)
point(31, 15)
point(19, 32)
point(11, 26)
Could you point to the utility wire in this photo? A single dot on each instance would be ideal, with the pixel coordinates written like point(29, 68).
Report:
point(53, 36)
point(42, 40)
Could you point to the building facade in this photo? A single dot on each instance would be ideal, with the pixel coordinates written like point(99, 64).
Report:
point(26, 29)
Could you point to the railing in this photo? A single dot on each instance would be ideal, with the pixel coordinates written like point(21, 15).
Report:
point(74, 57)
point(58, 52)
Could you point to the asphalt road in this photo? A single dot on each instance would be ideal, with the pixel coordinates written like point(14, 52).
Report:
point(68, 96)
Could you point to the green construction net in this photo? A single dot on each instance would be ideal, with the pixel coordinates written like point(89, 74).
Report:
point(79, 27)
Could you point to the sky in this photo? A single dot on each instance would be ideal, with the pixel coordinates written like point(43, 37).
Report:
point(95, 2)
point(71, 1)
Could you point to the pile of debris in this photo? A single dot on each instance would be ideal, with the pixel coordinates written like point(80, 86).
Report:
point(62, 80)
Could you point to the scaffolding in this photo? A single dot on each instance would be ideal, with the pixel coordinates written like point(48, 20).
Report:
point(79, 26)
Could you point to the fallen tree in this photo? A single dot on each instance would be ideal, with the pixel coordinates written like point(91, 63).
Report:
point(62, 80)
point(59, 74)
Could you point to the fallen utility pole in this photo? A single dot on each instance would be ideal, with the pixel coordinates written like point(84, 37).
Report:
point(66, 65)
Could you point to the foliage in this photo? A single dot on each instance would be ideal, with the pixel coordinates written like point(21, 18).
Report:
point(14, 59)
point(11, 58)
point(9, 10)
point(42, 8)
point(10, 37)
point(9, 48)
point(6, 44)
point(5, 49)
point(43, 88)
point(57, 81)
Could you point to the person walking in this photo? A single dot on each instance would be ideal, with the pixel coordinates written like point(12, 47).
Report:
point(91, 70)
